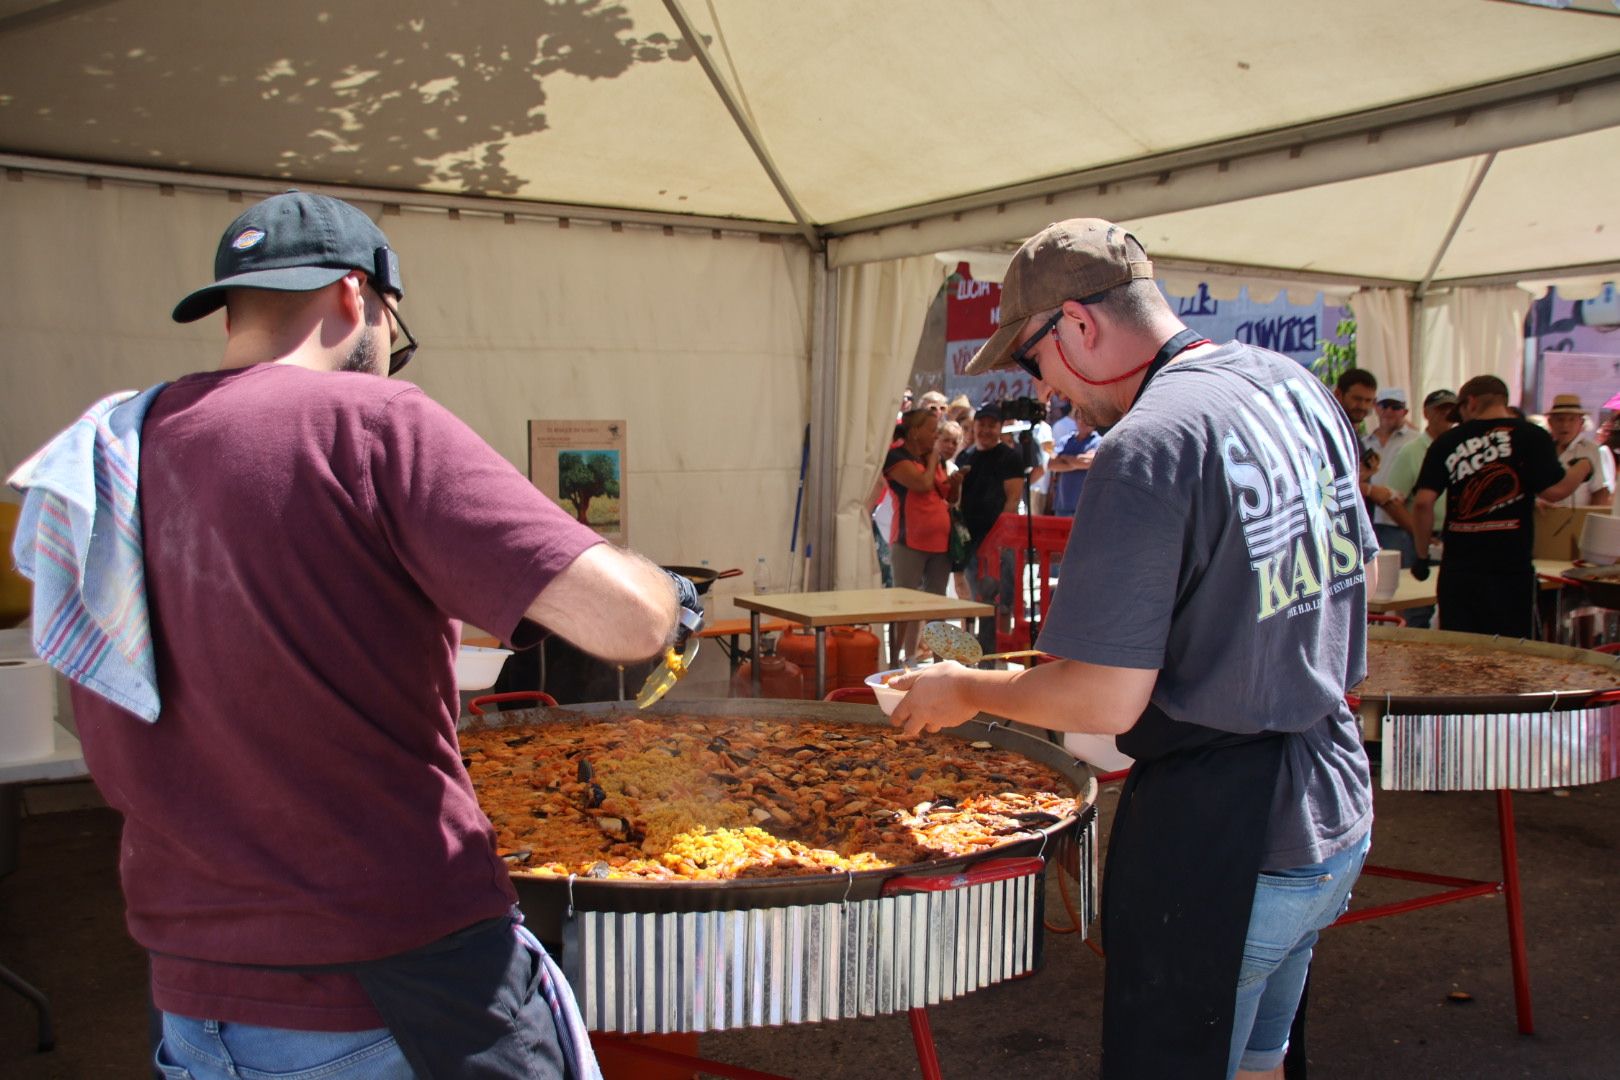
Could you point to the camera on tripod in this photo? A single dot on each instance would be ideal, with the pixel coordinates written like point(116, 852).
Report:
point(1021, 410)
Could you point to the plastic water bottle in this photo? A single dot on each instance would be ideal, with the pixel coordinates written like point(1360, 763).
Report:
point(762, 575)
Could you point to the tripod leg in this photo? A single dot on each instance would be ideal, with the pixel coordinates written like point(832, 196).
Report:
point(47, 1032)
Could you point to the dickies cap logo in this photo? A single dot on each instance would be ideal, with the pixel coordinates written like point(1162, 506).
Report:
point(247, 238)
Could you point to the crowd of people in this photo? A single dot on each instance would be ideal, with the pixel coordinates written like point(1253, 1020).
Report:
point(1494, 467)
point(954, 468)
point(951, 471)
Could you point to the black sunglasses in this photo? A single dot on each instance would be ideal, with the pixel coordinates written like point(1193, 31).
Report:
point(1021, 355)
point(397, 358)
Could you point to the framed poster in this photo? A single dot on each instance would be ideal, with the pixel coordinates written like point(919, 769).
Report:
point(582, 464)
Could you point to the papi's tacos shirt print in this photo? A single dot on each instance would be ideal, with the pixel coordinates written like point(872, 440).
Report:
point(1490, 471)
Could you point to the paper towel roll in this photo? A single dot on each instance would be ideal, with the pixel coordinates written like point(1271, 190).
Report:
point(27, 707)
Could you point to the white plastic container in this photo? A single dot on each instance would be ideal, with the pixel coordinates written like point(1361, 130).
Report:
point(477, 668)
point(1098, 751)
point(1388, 562)
point(1600, 539)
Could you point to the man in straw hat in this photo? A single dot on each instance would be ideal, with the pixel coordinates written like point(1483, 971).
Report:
point(1214, 632)
point(1577, 449)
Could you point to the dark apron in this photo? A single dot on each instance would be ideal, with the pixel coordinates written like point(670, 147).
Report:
point(456, 1008)
point(1188, 840)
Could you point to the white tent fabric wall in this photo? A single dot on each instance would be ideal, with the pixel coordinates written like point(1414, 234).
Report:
point(700, 344)
point(1469, 332)
point(882, 307)
point(89, 277)
point(1384, 335)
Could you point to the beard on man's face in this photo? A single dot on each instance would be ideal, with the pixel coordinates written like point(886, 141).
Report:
point(1096, 413)
point(363, 357)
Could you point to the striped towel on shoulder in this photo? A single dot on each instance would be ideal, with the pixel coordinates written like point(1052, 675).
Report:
point(79, 541)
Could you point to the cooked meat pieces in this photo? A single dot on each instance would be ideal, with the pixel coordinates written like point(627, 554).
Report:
point(706, 798)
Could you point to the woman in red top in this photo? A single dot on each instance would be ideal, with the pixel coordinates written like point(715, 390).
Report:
point(920, 535)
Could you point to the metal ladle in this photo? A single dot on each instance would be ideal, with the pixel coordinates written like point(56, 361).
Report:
point(948, 641)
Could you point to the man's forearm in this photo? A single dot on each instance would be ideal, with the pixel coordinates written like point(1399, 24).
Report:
point(1066, 695)
point(1422, 528)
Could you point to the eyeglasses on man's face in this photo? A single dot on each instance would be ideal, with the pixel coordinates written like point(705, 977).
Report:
point(1022, 355)
point(398, 355)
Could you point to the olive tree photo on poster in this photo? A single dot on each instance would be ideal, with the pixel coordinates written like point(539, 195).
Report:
point(581, 464)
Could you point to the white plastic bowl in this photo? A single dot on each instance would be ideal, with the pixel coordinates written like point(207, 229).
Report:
point(887, 699)
point(477, 668)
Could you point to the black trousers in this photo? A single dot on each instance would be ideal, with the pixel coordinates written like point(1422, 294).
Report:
point(1488, 602)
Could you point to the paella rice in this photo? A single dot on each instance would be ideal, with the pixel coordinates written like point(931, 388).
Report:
point(689, 798)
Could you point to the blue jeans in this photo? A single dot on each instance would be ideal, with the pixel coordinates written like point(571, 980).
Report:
point(214, 1050)
point(1290, 907)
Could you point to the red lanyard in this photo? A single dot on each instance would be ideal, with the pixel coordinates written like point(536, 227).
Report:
point(1172, 348)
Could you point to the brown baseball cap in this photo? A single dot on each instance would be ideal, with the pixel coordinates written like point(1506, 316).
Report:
point(1067, 260)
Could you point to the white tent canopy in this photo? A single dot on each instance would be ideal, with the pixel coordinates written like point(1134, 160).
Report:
point(1410, 150)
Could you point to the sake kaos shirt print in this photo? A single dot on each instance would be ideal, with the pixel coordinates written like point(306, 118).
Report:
point(1296, 506)
point(1490, 472)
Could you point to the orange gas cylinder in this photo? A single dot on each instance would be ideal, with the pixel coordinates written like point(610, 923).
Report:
point(858, 650)
point(799, 646)
point(778, 678)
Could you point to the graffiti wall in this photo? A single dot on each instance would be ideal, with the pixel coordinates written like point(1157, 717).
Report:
point(973, 310)
point(1577, 348)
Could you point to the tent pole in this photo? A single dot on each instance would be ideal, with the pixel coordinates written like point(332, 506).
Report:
point(16, 166)
point(1456, 221)
point(1422, 290)
point(1416, 366)
point(744, 122)
point(822, 488)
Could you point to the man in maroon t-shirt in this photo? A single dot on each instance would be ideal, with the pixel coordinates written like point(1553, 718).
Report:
point(313, 532)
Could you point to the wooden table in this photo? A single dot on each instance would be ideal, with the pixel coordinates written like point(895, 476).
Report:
point(724, 630)
point(846, 607)
point(1412, 593)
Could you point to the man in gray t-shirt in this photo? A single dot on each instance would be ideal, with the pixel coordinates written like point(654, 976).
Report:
point(1212, 617)
point(1233, 567)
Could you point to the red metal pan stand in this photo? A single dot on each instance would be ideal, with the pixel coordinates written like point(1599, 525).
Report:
point(537, 697)
point(1455, 889)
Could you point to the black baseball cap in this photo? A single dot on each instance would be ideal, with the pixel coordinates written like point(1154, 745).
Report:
point(295, 242)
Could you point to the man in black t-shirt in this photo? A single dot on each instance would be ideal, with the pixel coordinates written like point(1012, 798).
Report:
point(992, 485)
point(1491, 468)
